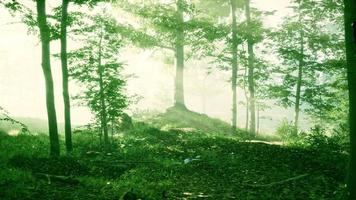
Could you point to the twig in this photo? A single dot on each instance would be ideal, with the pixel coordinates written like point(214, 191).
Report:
point(123, 162)
point(54, 178)
point(278, 182)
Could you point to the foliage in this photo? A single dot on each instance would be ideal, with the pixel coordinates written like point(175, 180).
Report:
point(151, 162)
point(318, 139)
point(96, 67)
point(311, 48)
point(286, 130)
point(185, 154)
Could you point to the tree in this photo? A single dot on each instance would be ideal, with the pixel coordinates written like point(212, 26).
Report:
point(171, 26)
point(291, 47)
point(234, 65)
point(64, 23)
point(169, 33)
point(45, 37)
point(46, 67)
point(306, 46)
point(65, 82)
point(251, 58)
point(249, 30)
point(96, 67)
point(228, 57)
point(350, 42)
point(179, 79)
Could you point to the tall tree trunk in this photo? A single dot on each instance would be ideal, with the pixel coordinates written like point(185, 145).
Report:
point(299, 80)
point(234, 66)
point(247, 114)
point(64, 62)
point(258, 119)
point(251, 66)
point(179, 79)
point(112, 129)
point(46, 67)
point(104, 120)
point(247, 100)
point(350, 38)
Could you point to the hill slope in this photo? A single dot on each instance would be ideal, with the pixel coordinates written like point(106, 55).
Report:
point(34, 125)
point(177, 118)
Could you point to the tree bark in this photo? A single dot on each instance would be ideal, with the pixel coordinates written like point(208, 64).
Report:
point(64, 62)
point(104, 121)
point(251, 64)
point(350, 40)
point(46, 67)
point(247, 100)
point(234, 66)
point(258, 119)
point(179, 51)
point(299, 80)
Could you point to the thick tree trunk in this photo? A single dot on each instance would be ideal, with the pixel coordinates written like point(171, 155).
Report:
point(104, 120)
point(46, 67)
point(179, 79)
point(299, 82)
point(350, 38)
point(234, 66)
point(64, 62)
point(251, 64)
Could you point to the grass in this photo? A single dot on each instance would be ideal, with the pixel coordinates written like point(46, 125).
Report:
point(155, 164)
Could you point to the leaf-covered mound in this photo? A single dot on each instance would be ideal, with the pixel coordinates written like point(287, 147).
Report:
point(184, 119)
point(158, 164)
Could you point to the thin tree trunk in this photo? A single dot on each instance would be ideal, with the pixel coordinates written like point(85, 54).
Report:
point(112, 129)
point(251, 82)
point(247, 114)
point(179, 79)
point(104, 124)
point(234, 66)
point(100, 131)
point(64, 62)
point(350, 38)
point(247, 100)
point(299, 80)
point(46, 67)
point(258, 119)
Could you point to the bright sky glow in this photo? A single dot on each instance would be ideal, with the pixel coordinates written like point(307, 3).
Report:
point(22, 90)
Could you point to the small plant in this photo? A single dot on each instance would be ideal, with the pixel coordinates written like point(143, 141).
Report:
point(287, 132)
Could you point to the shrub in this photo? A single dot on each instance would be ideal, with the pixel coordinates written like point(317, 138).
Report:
point(287, 132)
point(318, 139)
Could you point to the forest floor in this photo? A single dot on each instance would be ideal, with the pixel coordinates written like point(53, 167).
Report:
point(168, 164)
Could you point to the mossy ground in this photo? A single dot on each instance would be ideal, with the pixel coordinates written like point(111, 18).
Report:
point(151, 162)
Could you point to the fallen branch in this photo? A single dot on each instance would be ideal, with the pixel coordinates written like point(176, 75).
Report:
point(278, 182)
point(120, 162)
point(54, 178)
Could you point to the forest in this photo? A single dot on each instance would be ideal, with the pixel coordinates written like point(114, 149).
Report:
point(178, 99)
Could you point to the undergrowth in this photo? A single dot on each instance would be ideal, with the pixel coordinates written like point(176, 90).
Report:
point(173, 164)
